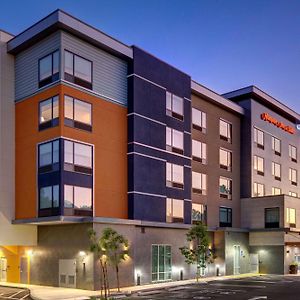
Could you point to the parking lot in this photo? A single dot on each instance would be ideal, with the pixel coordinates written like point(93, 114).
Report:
point(252, 288)
point(13, 293)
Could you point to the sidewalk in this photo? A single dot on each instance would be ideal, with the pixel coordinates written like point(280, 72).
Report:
point(57, 293)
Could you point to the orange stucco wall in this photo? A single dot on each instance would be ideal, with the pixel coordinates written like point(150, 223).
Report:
point(109, 137)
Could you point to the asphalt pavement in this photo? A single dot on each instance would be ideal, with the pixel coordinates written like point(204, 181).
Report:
point(251, 288)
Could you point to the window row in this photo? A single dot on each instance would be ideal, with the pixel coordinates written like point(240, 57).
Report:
point(74, 197)
point(259, 140)
point(272, 217)
point(77, 157)
point(259, 167)
point(77, 113)
point(76, 69)
point(259, 190)
point(175, 213)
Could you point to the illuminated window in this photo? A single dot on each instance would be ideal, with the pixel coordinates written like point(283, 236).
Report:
point(258, 189)
point(225, 187)
point(291, 217)
point(293, 176)
point(199, 183)
point(199, 119)
point(276, 170)
point(48, 113)
point(198, 213)
point(174, 175)
point(174, 106)
point(174, 210)
point(276, 191)
point(259, 138)
point(225, 157)
point(276, 145)
point(199, 151)
point(293, 153)
point(293, 194)
point(258, 164)
point(174, 140)
point(225, 130)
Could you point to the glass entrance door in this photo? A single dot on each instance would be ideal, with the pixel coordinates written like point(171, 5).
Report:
point(161, 263)
point(3, 269)
point(297, 259)
point(236, 259)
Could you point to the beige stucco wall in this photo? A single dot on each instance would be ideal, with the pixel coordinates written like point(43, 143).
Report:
point(9, 234)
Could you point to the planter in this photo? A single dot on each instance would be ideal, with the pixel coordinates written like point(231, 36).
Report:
point(293, 269)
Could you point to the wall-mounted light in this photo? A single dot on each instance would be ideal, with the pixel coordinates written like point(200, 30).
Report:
point(138, 275)
point(29, 253)
point(82, 253)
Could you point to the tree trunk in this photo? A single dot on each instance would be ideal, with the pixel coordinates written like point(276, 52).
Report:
point(104, 279)
point(106, 275)
point(118, 281)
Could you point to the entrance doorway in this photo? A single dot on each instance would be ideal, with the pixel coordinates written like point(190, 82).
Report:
point(3, 269)
point(236, 259)
point(24, 270)
point(254, 263)
point(297, 259)
point(67, 273)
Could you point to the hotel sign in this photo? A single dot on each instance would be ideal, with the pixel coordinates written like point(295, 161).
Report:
point(266, 117)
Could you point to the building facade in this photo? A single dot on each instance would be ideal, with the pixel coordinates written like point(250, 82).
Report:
point(100, 134)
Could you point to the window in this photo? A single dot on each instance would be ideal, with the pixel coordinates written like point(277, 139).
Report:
point(293, 153)
point(198, 213)
point(276, 191)
point(199, 183)
point(258, 189)
point(49, 197)
point(199, 119)
point(174, 105)
point(276, 146)
point(161, 263)
point(77, 157)
point(258, 164)
point(174, 175)
point(225, 159)
point(272, 217)
point(293, 194)
point(48, 113)
point(199, 151)
point(259, 138)
point(78, 70)
point(276, 170)
point(174, 211)
point(48, 156)
point(77, 197)
point(49, 69)
point(225, 217)
point(293, 176)
point(225, 187)
point(78, 113)
point(174, 140)
point(291, 217)
point(225, 130)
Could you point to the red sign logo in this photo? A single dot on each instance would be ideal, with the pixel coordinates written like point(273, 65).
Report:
point(266, 117)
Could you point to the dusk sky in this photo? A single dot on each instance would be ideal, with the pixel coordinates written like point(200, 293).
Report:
point(222, 44)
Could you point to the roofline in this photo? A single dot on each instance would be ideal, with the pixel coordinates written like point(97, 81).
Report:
point(206, 92)
point(2, 30)
point(64, 21)
point(254, 90)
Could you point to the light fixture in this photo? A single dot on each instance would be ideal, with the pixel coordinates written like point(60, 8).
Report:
point(82, 253)
point(29, 253)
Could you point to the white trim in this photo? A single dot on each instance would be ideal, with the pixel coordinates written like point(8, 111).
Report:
point(188, 200)
point(139, 115)
point(187, 99)
point(147, 194)
point(145, 79)
point(152, 157)
point(186, 132)
point(187, 166)
point(158, 149)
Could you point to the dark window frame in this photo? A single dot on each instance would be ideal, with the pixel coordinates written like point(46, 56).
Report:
point(229, 213)
point(54, 77)
point(74, 123)
point(77, 80)
point(54, 121)
point(272, 224)
point(52, 207)
point(53, 166)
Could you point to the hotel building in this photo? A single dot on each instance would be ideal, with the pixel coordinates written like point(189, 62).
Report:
point(96, 134)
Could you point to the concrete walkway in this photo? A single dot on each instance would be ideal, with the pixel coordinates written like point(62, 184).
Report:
point(57, 293)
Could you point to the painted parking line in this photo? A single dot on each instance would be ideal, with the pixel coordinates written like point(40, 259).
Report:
point(259, 298)
point(239, 285)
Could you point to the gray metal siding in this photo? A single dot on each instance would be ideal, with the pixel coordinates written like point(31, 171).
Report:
point(109, 72)
point(26, 66)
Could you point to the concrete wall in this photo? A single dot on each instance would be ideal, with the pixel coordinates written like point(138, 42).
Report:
point(9, 234)
point(212, 168)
